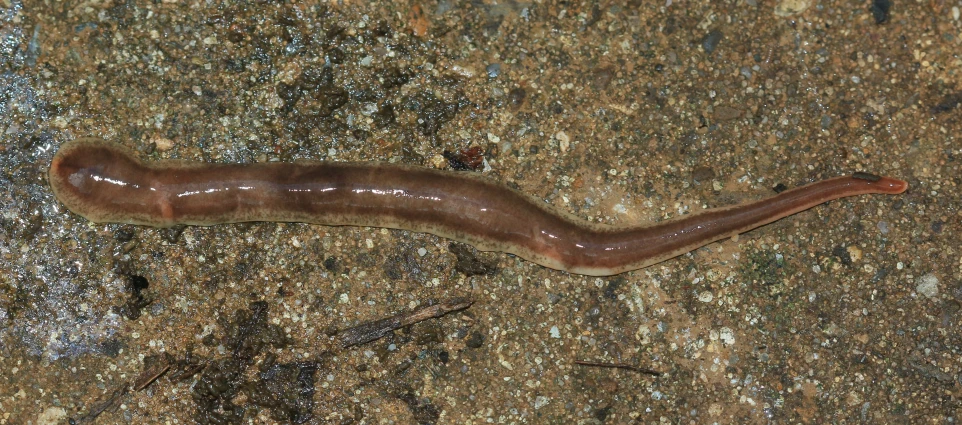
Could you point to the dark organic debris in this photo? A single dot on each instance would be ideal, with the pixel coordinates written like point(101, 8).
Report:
point(880, 10)
point(468, 261)
point(109, 404)
point(395, 77)
point(402, 264)
point(111, 347)
point(645, 371)
point(172, 234)
point(385, 115)
point(186, 368)
point(123, 235)
point(425, 413)
point(475, 340)
point(223, 379)
point(159, 366)
point(135, 286)
point(370, 331)
point(288, 390)
point(466, 159)
point(330, 263)
point(842, 254)
point(433, 113)
point(948, 103)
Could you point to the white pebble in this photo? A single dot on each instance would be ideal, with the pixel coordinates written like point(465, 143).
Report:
point(928, 285)
point(564, 142)
point(727, 336)
point(541, 401)
point(52, 416)
point(786, 8)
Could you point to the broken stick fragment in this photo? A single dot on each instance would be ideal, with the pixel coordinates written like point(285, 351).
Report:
point(643, 370)
point(370, 331)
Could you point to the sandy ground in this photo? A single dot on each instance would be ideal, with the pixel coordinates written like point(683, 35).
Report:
point(618, 112)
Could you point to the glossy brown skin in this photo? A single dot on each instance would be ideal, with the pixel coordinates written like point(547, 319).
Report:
point(105, 182)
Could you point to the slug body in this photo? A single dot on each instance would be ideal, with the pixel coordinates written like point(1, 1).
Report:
point(105, 182)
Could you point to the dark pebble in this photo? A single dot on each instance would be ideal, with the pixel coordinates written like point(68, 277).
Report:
point(331, 264)
point(493, 70)
point(880, 10)
point(611, 290)
point(476, 340)
point(842, 254)
point(516, 96)
point(123, 235)
point(111, 347)
point(711, 40)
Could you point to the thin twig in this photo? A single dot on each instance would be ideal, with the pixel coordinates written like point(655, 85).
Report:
point(619, 366)
point(158, 369)
point(112, 401)
point(370, 331)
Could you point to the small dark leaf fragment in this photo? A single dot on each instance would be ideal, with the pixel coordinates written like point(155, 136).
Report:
point(468, 261)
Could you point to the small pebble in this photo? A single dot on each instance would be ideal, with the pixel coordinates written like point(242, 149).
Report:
point(880, 10)
point(826, 121)
point(493, 70)
point(786, 8)
point(706, 297)
point(541, 401)
point(928, 285)
point(883, 226)
point(711, 40)
point(52, 416)
point(163, 144)
point(727, 336)
point(564, 142)
point(516, 96)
